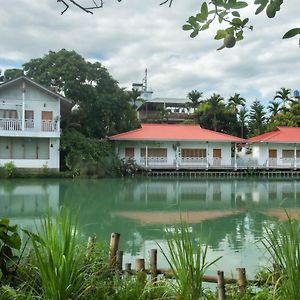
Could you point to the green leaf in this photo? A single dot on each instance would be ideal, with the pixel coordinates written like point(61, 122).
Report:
point(271, 10)
point(237, 22)
point(187, 27)
point(221, 34)
point(194, 33)
point(291, 33)
point(236, 14)
point(204, 10)
point(4, 222)
point(222, 47)
point(239, 5)
point(245, 21)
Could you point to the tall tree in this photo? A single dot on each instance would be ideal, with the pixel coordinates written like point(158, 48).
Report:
point(257, 118)
point(274, 108)
point(235, 101)
point(195, 97)
point(284, 95)
point(243, 115)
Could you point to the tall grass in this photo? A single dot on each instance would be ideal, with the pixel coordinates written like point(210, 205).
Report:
point(188, 262)
point(283, 244)
point(57, 257)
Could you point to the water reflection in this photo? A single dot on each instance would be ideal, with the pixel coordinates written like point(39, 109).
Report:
point(229, 213)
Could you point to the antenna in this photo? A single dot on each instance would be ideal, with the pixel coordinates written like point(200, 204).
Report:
point(145, 80)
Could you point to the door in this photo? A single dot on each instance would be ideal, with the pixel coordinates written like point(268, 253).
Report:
point(217, 155)
point(129, 153)
point(47, 123)
point(272, 157)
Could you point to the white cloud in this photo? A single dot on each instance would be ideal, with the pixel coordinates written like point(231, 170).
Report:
point(131, 35)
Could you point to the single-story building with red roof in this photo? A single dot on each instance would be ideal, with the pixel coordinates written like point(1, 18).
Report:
point(178, 146)
point(278, 149)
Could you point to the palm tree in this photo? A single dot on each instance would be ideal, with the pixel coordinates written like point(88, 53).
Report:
point(194, 96)
point(214, 102)
point(134, 95)
point(243, 115)
point(284, 95)
point(274, 108)
point(234, 101)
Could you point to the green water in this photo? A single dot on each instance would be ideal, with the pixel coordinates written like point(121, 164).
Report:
point(229, 213)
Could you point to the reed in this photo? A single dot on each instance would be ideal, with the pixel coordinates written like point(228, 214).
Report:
point(57, 257)
point(282, 242)
point(188, 263)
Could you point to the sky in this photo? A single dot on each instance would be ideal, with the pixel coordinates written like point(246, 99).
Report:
point(131, 35)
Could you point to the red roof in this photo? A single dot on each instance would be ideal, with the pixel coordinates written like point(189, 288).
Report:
point(280, 135)
point(174, 132)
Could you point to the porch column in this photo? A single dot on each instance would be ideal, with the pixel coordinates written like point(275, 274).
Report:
point(207, 164)
point(146, 157)
point(23, 105)
point(177, 158)
point(295, 157)
point(235, 161)
point(268, 157)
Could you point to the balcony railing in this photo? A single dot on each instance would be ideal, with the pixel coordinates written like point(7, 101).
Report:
point(154, 159)
point(10, 124)
point(193, 160)
point(30, 125)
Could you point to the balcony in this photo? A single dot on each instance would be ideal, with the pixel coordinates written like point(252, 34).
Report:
point(15, 126)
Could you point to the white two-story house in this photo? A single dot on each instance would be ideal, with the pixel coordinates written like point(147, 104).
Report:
point(30, 124)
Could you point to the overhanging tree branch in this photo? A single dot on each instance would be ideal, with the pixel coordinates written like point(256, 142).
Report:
point(96, 4)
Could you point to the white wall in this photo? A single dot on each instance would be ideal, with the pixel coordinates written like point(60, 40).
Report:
point(225, 147)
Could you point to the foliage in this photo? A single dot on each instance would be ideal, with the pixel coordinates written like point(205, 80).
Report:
point(283, 244)
point(187, 263)
point(9, 241)
point(229, 12)
point(58, 258)
point(257, 119)
point(10, 169)
point(213, 114)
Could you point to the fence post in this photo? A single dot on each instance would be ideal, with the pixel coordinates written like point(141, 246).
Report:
point(113, 248)
point(241, 280)
point(128, 268)
point(119, 260)
point(140, 271)
point(153, 264)
point(221, 285)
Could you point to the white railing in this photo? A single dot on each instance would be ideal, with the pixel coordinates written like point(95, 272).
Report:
point(48, 125)
point(195, 160)
point(154, 159)
point(10, 124)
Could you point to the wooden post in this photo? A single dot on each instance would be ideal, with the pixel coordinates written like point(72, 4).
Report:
point(140, 264)
point(113, 248)
point(241, 280)
point(140, 271)
point(119, 261)
point(221, 285)
point(153, 264)
point(128, 268)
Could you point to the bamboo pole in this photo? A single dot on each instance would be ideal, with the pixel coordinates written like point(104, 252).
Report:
point(113, 248)
point(153, 264)
point(241, 280)
point(221, 285)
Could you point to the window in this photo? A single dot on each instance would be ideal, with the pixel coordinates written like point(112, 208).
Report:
point(193, 153)
point(287, 153)
point(8, 114)
point(129, 153)
point(154, 152)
